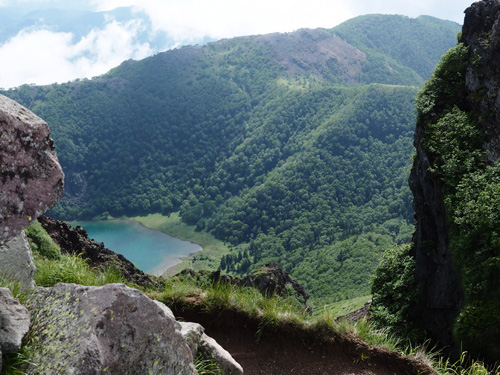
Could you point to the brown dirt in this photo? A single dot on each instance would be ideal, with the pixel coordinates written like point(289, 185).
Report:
point(290, 350)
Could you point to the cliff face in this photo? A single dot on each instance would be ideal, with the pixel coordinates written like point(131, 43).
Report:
point(457, 144)
point(481, 33)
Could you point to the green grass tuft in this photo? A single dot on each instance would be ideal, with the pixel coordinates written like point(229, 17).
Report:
point(41, 242)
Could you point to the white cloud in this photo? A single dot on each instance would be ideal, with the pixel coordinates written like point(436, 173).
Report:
point(44, 57)
point(192, 19)
point(228, 18)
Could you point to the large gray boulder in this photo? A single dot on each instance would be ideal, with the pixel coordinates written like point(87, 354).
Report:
point(31, 179)
point(14, 323)
point(16, 261)
point(111, 329)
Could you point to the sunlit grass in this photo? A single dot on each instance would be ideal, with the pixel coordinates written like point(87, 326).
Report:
point(72, 269)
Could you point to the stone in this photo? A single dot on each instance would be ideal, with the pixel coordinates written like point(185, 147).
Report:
point(272, 279)
point(212, 349)
point(16, 261)
point(269, 280)
point(14, 322)
point(31, 179)
point(110, 329)
point(192, 332)
point(166, 310)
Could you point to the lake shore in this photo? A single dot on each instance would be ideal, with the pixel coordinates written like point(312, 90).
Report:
point(151, 250)
point(212, 249)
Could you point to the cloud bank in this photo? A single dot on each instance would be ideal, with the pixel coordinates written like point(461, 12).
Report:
point(43, 56)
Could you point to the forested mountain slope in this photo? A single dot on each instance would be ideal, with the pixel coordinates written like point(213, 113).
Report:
point(297, 143)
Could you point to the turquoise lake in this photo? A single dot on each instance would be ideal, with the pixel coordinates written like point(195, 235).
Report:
point(150, 250)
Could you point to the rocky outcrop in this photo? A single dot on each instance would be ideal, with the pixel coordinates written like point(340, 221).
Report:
point(17, 262)
point(111, 329)
point(474, 92)
point(269, 280)
point(76, 241)
point(481, 33)
point(31, 179)
point(272, 279)
point(14, 323)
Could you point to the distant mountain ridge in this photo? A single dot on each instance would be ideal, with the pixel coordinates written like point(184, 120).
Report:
point(298, 144)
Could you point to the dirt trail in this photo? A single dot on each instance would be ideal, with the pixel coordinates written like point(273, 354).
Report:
point(286, 351)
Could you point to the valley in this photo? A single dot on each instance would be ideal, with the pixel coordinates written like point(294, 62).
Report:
point(262, 140)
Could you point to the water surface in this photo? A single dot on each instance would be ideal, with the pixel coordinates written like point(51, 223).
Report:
point(150, 250)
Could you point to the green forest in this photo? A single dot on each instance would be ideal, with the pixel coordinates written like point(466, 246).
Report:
point(266, 140)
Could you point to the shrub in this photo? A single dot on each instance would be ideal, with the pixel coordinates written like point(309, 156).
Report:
point(394, 289)
point(41, 242)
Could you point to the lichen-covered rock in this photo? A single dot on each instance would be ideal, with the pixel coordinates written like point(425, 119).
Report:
point(31, 179)
point(16, 261)
point(192, 332)
point(14, 323)
point(111, 329)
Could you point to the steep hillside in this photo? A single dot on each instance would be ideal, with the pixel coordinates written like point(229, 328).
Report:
point(455, 180)
point(297, 143)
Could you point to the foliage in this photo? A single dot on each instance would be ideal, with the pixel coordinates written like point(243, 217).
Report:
point(474, 241)
point(342, 308)
point(41, 242)
point(465, 365)
point(394, 290)
point(206, 366)
point(222, 295)
point(72, 269)
point(403, 40)
point(445, 89)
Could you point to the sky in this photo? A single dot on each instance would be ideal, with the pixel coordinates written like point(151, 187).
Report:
point(40, 55)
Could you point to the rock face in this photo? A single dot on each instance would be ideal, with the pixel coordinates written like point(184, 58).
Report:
point(443, 297)
point(76, 241)
point(17, 261)
point(481, 32)
point(14, 323)
point(273, 279)
point(435, 274)
point(111, 329)
point(31, 179)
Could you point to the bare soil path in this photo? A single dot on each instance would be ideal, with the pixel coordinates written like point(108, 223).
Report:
point(288, 350)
